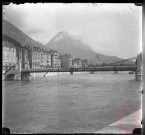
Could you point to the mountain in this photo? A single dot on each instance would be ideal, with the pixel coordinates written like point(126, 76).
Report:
point(64, 42)
point(15, 33)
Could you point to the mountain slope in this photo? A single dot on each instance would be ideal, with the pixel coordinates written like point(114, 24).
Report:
point(66, 43)
point(15, 33)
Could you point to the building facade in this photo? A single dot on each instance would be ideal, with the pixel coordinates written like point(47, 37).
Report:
point(34, 60)
point(25, 61)
point(43, 59)
point(59, 62)
point(13, 53)
point(20, 57)
point(85, 63)
point(29, 50)
point(48, 59)
point(54, 58)
point(66, 61)
point(37, 58)
point(77, 63)
point(32, 57)
point(70, 62)
point(9, 55)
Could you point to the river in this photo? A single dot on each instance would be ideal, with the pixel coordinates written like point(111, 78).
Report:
point(74, 103)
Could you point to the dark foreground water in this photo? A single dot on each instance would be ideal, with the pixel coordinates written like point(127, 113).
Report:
point(68, 103)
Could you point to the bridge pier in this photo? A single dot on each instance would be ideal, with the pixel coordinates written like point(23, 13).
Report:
point(18, 74)
point(91, 72)
point(9, 77)
point(25, 76)
point(138, 76)
point(17, 77)
point(71, 73)
point(138, 72)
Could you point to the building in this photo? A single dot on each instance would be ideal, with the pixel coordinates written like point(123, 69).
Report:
point(19, 55)
point(77, 63)
point(48, 59)
point(36, 58)
point(44, 59)
point(25, 62)
point(70, 61)
point(59, 62)
point(9, 55)
point(29, 50)
point(66, 61)
point(54, 58)
point(29, 57)
point(85, 63)
point(39, 58)
point(14, 53)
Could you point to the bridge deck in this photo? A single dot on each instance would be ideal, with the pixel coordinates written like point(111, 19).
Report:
point(101, 68)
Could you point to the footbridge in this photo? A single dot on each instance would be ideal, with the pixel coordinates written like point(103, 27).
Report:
point(24, 74)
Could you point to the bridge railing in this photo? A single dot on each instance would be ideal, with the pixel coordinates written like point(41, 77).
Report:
point(99, 68)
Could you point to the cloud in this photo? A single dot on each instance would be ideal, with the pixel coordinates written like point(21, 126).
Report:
point(107, 28)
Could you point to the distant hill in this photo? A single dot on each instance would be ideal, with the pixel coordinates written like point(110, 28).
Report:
point(12, 31)
point(67, 43)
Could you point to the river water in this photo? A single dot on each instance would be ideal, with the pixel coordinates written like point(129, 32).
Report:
point(68, 103)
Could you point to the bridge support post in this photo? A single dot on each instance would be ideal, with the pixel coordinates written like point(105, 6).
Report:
point(91, 72)
point(25, 76)
point(138, 72)
point(17, 77)
point(71, 73)
point(115, 72)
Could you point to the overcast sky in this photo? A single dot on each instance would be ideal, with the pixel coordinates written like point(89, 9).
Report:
point(110, 29)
